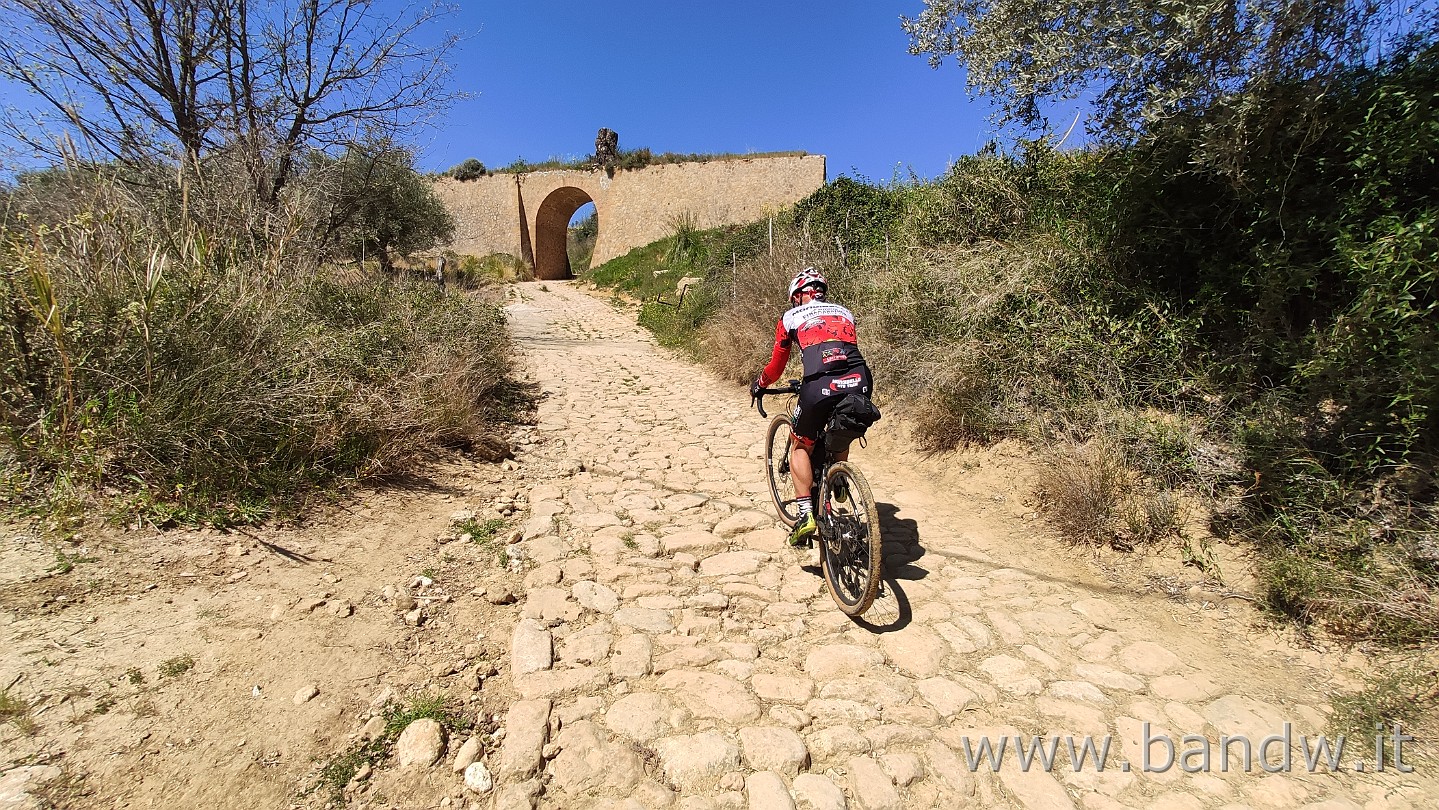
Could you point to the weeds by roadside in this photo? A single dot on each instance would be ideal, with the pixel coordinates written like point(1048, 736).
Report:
point(177, 666)
point(479, 531)
point(68, 789)
point(1405, 694)
point(173, 368)
point(65, 563)
point(16, 712)
point(338, 772)
point(420, 707)
point(1090, 494)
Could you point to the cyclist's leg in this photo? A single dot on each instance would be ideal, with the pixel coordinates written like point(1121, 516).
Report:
point(809, 415)
point(808, 421)
point(800, 469)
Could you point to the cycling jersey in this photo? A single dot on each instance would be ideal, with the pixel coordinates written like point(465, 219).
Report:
point(833, 365)
point(826, 338)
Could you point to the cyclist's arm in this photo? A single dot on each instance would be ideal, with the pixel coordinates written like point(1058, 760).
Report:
point(779, 358)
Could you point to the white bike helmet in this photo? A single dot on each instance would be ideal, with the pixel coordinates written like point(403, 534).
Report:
point(806, 279)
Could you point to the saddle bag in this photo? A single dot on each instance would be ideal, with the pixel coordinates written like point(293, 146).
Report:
point(850, 418)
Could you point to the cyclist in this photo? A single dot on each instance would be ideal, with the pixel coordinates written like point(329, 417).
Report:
point(833, 367)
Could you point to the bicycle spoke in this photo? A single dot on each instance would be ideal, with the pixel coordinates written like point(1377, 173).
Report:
point(850, 535)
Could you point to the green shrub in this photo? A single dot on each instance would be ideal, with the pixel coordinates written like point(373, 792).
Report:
point(468, 169)
point(859, 215)
point(191, 374)
point(478, 271)
point(337, 772)
point(177, 666)
point(1403, 695)
point(580, 242)
point(630, 159)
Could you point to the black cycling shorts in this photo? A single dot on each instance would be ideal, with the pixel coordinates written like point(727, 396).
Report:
point(818, 396)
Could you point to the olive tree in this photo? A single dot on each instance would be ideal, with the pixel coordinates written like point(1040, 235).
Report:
point(378, 204)
point(1149, 61)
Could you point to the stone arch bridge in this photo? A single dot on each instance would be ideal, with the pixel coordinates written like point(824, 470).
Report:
point(527, 215)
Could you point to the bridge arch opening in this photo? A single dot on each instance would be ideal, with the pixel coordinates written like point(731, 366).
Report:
point(583, 233)
point(552, 221)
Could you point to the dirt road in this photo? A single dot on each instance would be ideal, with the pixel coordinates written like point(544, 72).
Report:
point(666, 649)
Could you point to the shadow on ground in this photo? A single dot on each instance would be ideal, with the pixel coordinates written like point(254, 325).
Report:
point(891, 610)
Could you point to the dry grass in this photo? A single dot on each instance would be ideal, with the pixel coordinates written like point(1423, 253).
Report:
point(736, 341)
point(1081, 489)
point(212, 369)
point(1092, 496)
point(1403, 693)
point(16, 711)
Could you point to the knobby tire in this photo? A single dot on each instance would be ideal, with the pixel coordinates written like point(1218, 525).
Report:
point(851, 551)
point(777, 443)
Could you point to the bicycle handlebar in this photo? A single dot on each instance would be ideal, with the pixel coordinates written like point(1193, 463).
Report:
point(758, 401)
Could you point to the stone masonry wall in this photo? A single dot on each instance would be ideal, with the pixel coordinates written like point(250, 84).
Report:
point(635, 207)
point(486, 214)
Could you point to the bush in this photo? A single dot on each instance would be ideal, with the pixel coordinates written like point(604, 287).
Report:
point(378, 202)
point(468, 169)
point(1092, 495)
point(186, 373)
point(857, 215)
point(1404, 694)
point(629, 160)
point(473, 272)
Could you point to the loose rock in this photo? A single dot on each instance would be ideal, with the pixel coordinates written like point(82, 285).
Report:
point(477, 778)
point(421, 744)
point(468, 753)
point(500, 595)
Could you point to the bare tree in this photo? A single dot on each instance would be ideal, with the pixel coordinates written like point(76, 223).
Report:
point(341, 69)
point(148, 80)
point(132, 78)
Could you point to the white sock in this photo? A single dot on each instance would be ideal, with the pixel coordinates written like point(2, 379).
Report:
point(804, 507)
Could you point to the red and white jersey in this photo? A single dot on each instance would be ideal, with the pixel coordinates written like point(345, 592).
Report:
point(826, 338)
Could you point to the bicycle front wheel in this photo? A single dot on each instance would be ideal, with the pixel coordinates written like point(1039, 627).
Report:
point(777, 443)
point(851, 548)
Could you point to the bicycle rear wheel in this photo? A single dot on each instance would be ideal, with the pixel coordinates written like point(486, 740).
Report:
point(777, 443)
point(851, 548)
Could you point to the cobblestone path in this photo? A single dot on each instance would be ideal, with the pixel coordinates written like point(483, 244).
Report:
point(672, 653)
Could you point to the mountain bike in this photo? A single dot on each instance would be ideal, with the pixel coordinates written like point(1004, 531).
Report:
point(846, 515)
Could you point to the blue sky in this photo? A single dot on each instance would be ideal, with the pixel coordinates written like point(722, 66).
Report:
point(831, 78)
